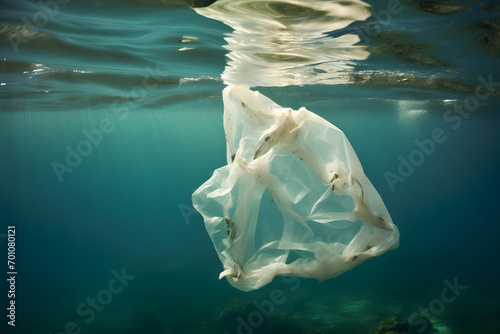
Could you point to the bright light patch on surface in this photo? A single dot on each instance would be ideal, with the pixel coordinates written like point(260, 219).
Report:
point(409, 112)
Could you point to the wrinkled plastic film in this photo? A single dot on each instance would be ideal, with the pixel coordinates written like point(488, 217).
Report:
point(293, 199)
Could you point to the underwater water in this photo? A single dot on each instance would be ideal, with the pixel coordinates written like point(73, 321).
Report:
point(112, 116)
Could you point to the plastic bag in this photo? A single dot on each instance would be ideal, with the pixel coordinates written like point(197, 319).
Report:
point(293, 199)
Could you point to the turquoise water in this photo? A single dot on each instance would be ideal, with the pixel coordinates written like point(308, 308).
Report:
point(136, 86)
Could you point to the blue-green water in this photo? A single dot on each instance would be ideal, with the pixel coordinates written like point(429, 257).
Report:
point(136, 86)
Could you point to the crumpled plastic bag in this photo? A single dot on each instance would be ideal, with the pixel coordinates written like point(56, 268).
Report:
point(293, 199)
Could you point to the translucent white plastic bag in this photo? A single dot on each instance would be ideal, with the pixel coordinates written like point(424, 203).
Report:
point(293, 199)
